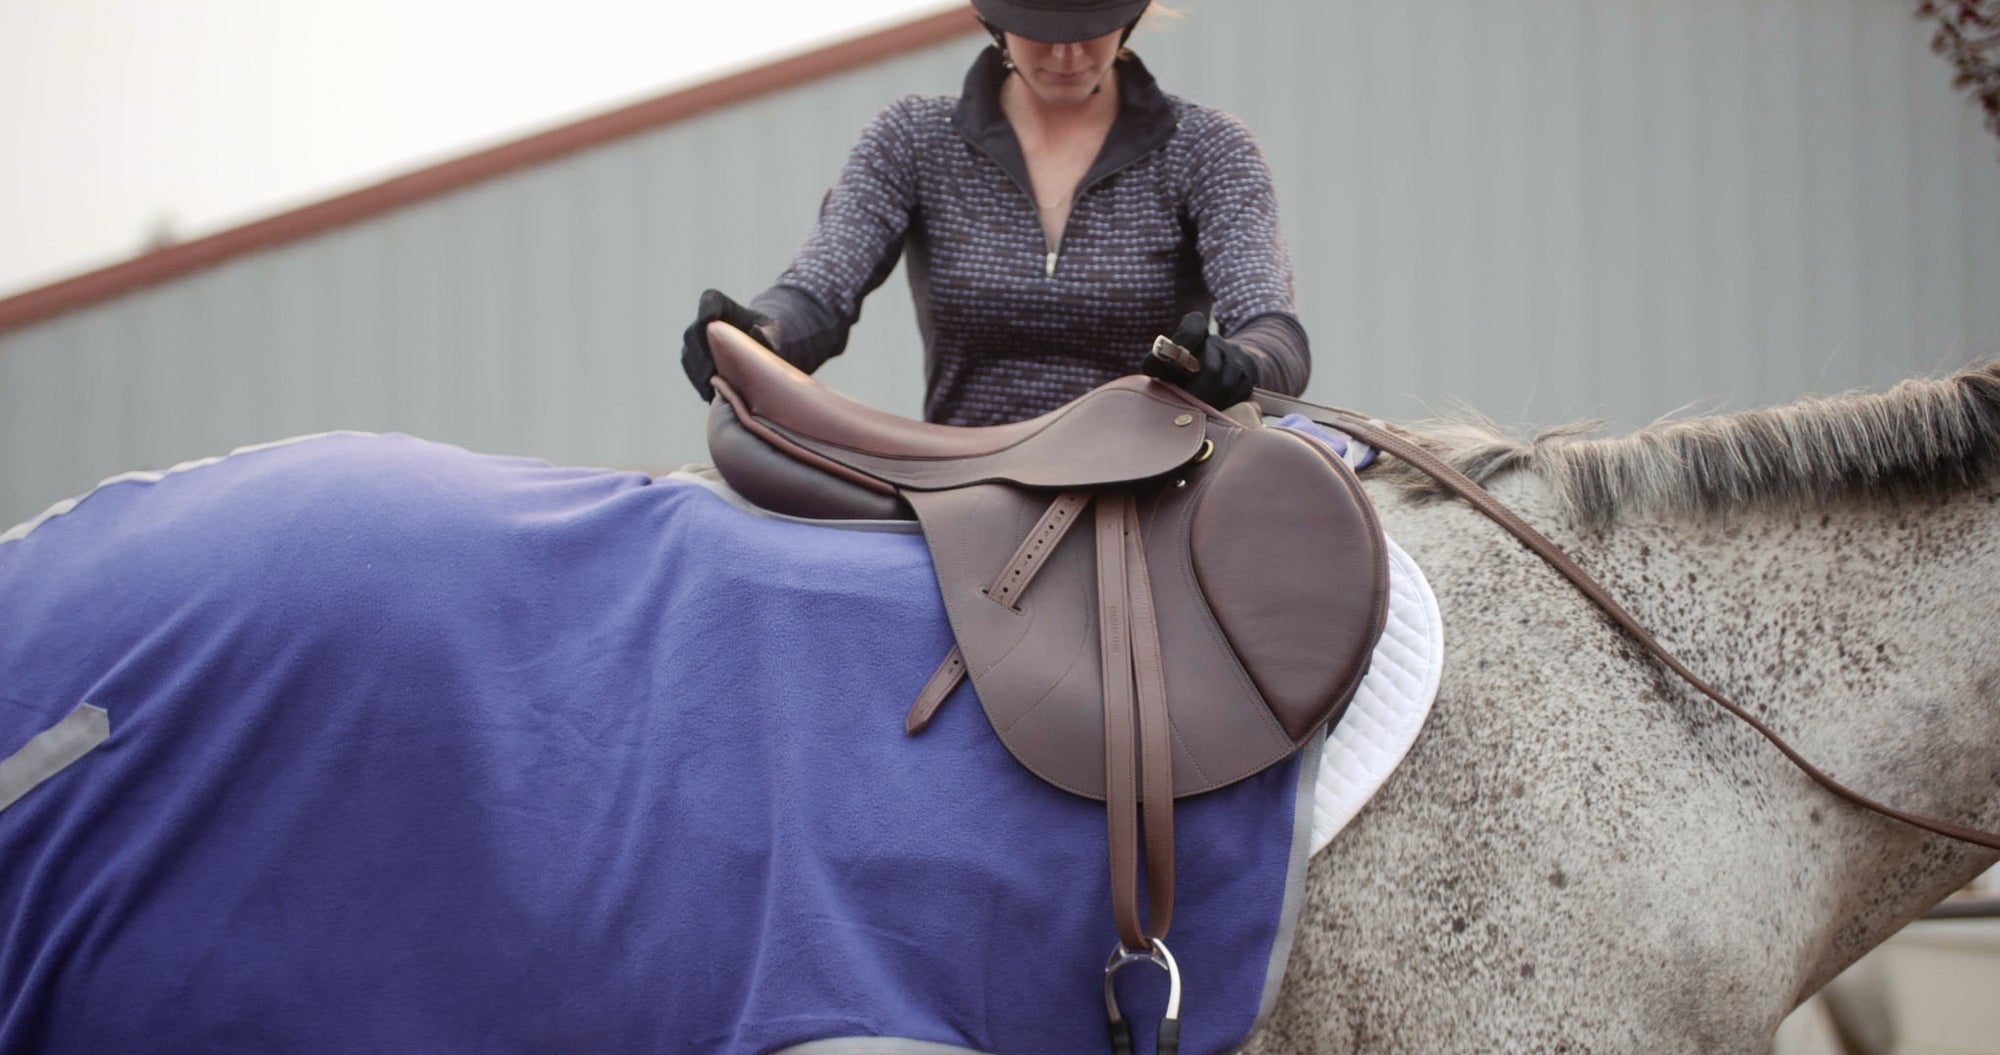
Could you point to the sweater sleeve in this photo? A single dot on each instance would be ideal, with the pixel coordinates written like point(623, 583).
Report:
point(853, 245)
point(1233, 208)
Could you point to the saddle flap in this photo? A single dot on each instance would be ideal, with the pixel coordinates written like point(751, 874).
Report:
point(1269, 582)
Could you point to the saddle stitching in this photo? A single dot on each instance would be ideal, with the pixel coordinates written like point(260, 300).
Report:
point(1076, 657)
point(1027, 712)
point(1205, 783)
point(965, 551)
point(1089, 634)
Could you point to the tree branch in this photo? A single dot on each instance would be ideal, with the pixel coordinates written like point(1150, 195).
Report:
point(1968, 35)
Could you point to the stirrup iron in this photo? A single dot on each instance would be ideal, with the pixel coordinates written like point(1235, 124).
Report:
point(1168, 1041)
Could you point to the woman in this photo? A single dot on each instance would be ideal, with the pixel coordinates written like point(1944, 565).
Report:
point(1058, 215)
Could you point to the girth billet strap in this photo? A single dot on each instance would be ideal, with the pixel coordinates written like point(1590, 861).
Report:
point(1384, 437)
point(1042, 540)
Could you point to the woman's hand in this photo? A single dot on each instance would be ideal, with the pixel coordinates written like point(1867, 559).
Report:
point(715, 306)
point(1227, 372)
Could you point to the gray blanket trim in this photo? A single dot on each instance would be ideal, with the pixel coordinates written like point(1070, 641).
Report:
point(1295, 880)
point(20, 531)
point(52, 750)
point(874, 1046)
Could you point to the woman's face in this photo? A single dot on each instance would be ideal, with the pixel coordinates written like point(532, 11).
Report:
point(1063, 74)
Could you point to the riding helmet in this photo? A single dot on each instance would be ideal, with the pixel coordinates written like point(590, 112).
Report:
point(1060, 21)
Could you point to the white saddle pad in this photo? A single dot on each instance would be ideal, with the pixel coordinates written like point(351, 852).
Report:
point(1390, 706)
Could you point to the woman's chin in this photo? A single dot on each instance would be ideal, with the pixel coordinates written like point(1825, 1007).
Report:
point(1064, 91)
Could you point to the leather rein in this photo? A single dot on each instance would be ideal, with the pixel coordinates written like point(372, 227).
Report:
point(1385, 437)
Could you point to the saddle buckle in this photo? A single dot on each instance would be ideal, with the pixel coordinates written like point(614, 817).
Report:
point(1169, 361)
point(1168, 1041)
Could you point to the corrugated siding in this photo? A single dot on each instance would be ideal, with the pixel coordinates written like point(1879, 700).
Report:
point(1544, 208)
point(1554, 208)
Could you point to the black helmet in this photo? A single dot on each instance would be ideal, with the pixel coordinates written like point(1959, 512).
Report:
point(1059, 21)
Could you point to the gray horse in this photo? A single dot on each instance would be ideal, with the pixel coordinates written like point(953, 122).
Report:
point(1581, 854)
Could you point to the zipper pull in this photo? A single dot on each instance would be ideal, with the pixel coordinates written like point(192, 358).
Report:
point(1051, 272)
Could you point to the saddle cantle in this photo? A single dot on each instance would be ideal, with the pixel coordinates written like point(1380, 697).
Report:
point(1221, 611)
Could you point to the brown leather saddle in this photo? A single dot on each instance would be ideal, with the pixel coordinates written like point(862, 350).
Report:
point(1222, 609)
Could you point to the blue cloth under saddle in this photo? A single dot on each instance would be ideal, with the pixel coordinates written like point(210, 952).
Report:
point(418, 750)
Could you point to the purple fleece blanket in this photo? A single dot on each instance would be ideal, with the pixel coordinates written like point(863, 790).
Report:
point(414, 749)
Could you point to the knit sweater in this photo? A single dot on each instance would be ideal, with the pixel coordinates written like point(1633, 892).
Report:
point(1176, 214)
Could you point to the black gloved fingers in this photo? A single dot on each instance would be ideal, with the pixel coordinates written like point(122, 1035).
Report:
point(716, 306)
point(1192, 333)
point(1228, 373)
point(696, 358)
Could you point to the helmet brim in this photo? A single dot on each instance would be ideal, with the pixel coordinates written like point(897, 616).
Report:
point(1059, 22)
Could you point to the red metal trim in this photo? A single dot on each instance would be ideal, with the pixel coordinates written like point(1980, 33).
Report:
point(172, 262)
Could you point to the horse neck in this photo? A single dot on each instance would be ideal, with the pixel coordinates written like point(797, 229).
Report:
point(1862, 633)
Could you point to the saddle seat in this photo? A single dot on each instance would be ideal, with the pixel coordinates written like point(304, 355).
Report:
point(1225, 611)
point(1131, 429)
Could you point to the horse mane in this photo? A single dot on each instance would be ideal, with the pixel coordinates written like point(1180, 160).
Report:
point(1922, 439)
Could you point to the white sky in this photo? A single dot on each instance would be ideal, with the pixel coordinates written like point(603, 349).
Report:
point(115, 114)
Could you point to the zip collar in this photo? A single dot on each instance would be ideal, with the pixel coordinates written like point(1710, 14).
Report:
point(1144, 123)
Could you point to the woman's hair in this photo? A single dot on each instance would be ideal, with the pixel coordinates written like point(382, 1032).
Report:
point(1152, 9)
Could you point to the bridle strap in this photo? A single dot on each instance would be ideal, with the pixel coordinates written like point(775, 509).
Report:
point(1384, 437)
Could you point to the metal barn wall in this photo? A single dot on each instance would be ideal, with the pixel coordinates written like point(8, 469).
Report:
point(1564, 208)
point(538, 313)
point(1544, 208)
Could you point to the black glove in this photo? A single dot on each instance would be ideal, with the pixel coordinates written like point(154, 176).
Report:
point(1227, 372)
point(696, 359)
